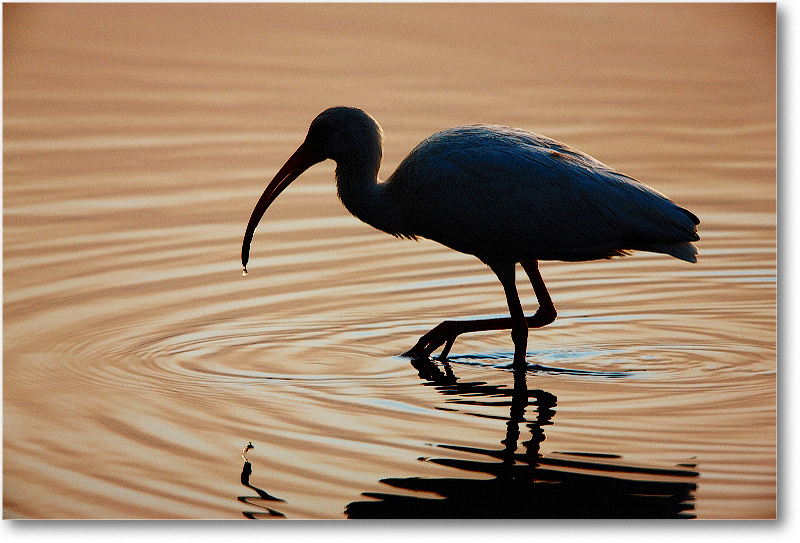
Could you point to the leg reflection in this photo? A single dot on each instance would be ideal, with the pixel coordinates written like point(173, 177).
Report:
point(526, 484)
point(520, 399)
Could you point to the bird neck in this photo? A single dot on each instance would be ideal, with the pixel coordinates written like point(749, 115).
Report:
point(364, 195)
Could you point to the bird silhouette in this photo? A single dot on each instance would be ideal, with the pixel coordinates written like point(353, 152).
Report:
point(502, 194)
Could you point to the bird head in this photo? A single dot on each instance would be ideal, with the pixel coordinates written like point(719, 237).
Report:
point(344, 134)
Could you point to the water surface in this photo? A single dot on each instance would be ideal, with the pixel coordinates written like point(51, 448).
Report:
point(137, 361)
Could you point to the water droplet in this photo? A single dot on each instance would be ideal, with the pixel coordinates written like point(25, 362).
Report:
point(244, 271)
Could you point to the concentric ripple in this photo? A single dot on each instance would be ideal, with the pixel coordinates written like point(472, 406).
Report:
point(165, 349)
point(138, 361)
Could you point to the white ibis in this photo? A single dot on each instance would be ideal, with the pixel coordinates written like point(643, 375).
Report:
point(502, 194)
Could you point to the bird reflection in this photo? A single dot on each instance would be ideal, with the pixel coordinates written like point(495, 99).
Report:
point(266, 512)
point(526, 484)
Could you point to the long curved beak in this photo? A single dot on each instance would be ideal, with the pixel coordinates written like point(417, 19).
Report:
point(300, 161)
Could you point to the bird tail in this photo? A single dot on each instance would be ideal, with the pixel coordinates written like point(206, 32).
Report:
point(685, 251)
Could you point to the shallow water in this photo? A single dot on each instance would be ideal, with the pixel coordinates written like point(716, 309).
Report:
point(137, 361)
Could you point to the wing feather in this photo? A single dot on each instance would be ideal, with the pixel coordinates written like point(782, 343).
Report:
point(502, 193)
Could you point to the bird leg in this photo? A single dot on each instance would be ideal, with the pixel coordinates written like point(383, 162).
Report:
point(446, 332)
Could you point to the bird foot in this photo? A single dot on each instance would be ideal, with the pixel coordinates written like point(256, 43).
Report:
point(443, 334)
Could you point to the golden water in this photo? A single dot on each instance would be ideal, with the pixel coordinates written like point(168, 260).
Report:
point(137, 361)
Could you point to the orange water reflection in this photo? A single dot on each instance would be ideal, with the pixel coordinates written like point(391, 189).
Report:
point(137, 360)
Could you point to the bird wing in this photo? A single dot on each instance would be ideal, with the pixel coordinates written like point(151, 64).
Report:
point(502, 193)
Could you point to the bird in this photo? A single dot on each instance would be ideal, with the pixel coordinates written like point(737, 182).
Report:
point(247, 448)
point(504, 195)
